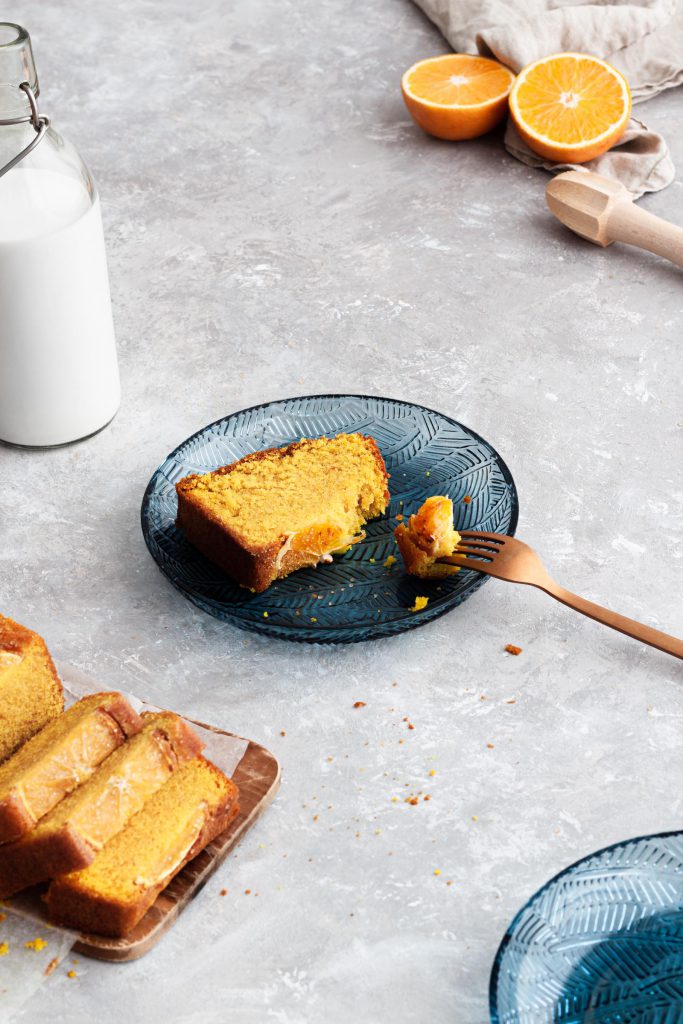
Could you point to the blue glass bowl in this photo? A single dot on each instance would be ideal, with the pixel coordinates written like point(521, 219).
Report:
point(601, 943)
point(357, 597)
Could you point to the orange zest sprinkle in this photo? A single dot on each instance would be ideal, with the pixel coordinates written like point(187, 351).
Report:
point(36, 944)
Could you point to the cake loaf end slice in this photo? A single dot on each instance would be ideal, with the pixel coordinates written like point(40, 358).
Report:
point(31, 694)
point(111, 895)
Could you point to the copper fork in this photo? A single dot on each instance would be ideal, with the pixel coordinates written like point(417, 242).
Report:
point(509, 559)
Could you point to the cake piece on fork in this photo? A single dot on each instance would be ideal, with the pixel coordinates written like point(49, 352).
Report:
point(429, 535)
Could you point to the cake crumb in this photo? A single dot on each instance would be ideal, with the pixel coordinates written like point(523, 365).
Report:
point(313, 619)
point(71, 974)
point(437, 871)
point(282, 732)
point(51, 966)
point(265, 615)
point(4, 948)
point(372, 561)
point(224, 892)
point(247, 892)
point(467, 499)
point(511, 649)
point(511, 701)
point(36, 944)
point(391, 560)
point(432, 771)
point(489, 746)
point(360, 704)
point(420, 603)
point(2, 916)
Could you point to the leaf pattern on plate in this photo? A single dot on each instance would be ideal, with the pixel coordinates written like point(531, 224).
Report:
point(356, 597)
point(601, 943)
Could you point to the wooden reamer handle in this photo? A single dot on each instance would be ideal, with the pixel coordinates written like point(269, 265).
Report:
point(628, 223)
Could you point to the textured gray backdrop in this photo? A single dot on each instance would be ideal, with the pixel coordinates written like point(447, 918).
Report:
point(276, 225)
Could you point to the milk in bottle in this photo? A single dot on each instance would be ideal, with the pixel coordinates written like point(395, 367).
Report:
point(58, 371)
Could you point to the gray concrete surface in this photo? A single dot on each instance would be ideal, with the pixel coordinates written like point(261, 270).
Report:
point(276, 225)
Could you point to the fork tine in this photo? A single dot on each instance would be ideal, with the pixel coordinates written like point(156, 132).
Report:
point(480, 546)
point(464, 562)
point(497, 538)
point(476, 552)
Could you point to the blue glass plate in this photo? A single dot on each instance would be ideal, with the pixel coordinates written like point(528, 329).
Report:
point(601, 943)
point(357, 597)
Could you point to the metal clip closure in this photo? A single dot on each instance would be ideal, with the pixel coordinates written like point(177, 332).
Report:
point(39, 121)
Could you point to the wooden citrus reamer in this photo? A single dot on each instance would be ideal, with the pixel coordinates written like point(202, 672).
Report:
point(603, 211)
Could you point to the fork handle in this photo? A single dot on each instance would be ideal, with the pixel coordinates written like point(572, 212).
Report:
point(646, 634)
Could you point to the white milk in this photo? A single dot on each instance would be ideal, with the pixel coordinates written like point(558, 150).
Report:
point(58, 372)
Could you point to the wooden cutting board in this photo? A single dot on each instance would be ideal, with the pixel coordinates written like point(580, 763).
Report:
point(258, 778)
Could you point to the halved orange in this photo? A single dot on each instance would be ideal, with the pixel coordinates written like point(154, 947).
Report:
point(570, 107)
point(458, 95)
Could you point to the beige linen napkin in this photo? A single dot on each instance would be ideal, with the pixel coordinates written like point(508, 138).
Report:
point(642, 38)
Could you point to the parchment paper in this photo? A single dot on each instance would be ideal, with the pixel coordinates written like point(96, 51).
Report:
point(23, 969)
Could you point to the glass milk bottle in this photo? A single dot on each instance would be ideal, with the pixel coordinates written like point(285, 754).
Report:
point(59, 378)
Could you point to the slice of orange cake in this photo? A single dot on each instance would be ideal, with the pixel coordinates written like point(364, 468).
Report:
point(284, 508)
point(69, 837)
point(30, 691)
point(111, 895)
point(60, 757)
point(429, 535)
